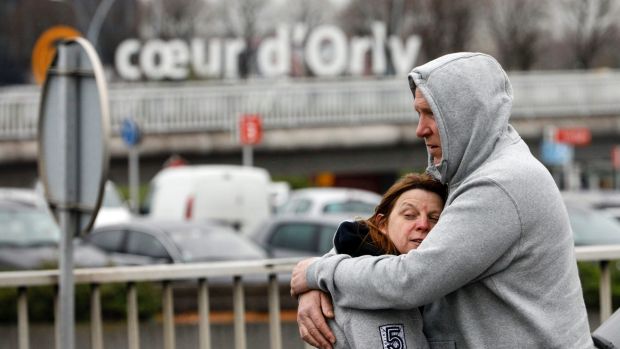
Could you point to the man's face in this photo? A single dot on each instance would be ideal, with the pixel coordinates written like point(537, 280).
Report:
point(427, 127)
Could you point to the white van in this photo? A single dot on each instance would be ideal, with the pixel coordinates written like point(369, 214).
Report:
point(236, 195)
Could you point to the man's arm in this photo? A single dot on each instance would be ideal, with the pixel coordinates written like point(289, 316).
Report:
point(471, 235)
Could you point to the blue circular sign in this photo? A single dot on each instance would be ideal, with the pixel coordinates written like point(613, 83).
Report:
point(130, 132)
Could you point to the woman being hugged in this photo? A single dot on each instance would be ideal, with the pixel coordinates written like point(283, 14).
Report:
point(406, 214)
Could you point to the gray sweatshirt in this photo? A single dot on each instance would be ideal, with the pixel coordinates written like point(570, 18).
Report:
point(498, 269)
point(372, 329)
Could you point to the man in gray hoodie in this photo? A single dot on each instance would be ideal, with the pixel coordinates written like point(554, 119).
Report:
point(499, 269)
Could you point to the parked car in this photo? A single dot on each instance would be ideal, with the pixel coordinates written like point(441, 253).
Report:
point(146, 241)
point(351, 202)
point(292, 236)
point(605, 201)
point(29, 235)
point(592, 227)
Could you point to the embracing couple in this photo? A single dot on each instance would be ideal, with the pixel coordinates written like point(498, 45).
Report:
point(477, 253)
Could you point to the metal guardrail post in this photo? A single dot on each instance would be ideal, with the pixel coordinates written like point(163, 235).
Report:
point(605, 291)
point(204, 328)
point(22, 318)
point(133, 334)
point(275, 326)
point(168, 310)
point(96, 331)
point(239, 311)
point(56, 295)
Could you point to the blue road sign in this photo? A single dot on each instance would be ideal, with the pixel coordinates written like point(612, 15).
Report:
point(130, 132)
point(556, 154)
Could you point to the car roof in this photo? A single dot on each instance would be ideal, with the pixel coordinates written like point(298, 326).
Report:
point(163, 226)
point(199, 171)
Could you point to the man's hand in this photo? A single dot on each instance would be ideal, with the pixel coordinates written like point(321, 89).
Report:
point(299, 283)
point(313, 307)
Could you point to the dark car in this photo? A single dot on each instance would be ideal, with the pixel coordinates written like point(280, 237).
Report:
point(29, 235)
point(145, 241)
point(292, 236)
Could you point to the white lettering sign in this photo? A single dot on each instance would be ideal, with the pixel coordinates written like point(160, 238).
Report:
point(274, 54)
point(326, 51)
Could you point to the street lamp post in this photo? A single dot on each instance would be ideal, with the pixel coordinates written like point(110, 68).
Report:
point(96, 22)
point(94, 28)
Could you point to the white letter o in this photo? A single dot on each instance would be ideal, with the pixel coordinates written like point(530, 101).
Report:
point(327, 66)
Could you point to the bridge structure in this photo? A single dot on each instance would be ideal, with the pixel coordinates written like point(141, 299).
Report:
point(342, 126)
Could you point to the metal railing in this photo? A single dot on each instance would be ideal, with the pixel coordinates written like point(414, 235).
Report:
point(195, 107)
point(603, 255)
point(166, 274)
point(202, 272)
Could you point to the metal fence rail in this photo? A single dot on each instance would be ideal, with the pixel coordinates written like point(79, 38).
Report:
point(166, 274)
point(172, 108)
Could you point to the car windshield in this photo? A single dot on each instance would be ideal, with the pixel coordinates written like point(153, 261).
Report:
point(27, 227)
point(593, 228)
point(349, 207)
point(296, 206)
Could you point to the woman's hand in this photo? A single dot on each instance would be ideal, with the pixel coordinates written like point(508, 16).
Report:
point(299, 284)
point(313, 307)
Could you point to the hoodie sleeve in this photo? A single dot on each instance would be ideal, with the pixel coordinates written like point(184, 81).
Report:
point(477, 228)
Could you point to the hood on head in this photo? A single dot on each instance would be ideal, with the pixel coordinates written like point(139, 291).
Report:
point(471, 98)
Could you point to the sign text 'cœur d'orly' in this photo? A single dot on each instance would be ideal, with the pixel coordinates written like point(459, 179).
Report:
point(325, 50)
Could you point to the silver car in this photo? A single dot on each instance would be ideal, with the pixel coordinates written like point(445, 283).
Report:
point(349, 202)
point(29, 236)
point(145, 241)
point(592, 227)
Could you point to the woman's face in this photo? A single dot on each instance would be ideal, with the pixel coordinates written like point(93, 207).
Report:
point(415, 213)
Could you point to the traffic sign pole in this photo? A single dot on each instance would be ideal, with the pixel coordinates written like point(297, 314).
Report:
point(250, 133)
point(73, 159)
point(248, 155)
point(615, 165)
point(66, 289)
point(68, 104)
point(130, 132)
point(134, 181)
